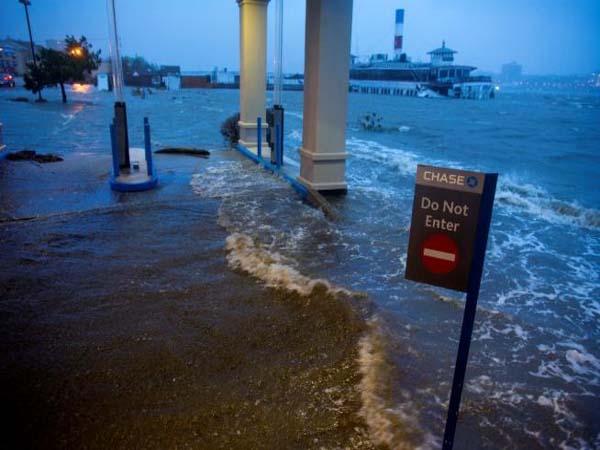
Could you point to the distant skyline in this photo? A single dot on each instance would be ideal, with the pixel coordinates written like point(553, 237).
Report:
point(545, 36)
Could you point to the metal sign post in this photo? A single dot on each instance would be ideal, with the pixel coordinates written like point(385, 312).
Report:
point(278, 119)
point(120, 118)
point(452, 212)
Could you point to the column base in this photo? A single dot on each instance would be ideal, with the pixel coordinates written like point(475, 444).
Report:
point(323, 171)
point(249, 138)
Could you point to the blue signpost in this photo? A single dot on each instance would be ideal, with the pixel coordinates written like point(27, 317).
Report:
point(452, 213)
point(259, 137)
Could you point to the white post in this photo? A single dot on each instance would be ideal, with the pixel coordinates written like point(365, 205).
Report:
point(326, 70)
point(278, 53)
point(115, 53)
point(253, 66)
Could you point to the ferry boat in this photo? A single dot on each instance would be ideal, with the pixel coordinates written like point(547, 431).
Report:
point(440, 77)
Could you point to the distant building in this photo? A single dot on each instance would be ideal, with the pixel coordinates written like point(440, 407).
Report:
point(511, 71)
point(170, 70)
point(171, 77)
point(8, 59)
point(195, 80)
point(14, 55)
point(56, 44)
point(104, 76)
point(224, 77)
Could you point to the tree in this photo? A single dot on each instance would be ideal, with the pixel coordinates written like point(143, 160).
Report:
point(60, 67)
point(132, 64)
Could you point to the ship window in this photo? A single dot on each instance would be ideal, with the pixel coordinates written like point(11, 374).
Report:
point(443, 73)
point(452, 73)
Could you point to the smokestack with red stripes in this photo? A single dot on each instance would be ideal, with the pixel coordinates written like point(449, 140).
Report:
point(399, 33)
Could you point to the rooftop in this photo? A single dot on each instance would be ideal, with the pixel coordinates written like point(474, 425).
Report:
point(442, 50)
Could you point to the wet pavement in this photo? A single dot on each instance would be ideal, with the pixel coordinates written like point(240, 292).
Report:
point(122, 325)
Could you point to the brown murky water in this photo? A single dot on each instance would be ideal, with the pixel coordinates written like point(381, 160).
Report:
point(123, 327)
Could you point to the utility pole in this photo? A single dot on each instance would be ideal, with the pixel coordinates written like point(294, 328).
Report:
point(120, 118)
point(26, 3)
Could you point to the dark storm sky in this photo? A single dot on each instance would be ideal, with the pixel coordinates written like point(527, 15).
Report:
point(546, 36)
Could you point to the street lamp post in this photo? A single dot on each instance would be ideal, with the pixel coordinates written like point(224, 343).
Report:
point(26, 3)
point(120, 119)
point(278, 111)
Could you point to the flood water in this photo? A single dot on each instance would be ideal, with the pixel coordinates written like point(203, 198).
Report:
point(533, 379)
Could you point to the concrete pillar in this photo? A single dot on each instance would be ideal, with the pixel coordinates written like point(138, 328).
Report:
point(253, 64)
point(326, 70)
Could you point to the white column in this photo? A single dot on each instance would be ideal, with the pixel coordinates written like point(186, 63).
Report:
point(253, 64)
point(326, 71)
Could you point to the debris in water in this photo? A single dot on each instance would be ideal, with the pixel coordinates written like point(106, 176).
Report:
point(230, 129)
point(184, 151)
point(32, 155)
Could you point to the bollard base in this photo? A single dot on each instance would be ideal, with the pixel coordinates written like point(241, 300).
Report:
point(133, 183)
point(136, 178)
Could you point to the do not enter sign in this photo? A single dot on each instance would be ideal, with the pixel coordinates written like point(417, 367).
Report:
point(440, 254)
point(452, 211)
point(447, 222)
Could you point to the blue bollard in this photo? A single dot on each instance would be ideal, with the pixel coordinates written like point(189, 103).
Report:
point(278, 152)
point(259, 137)
point(115, 150)
point(148, 148)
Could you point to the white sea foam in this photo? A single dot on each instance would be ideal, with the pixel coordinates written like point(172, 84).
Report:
point(392, 426)
point(534, 200)
point(68, 118)
point(295, 135)
point(583, 362)
point(272, 268)
point(401, 160)
point(517, 395)
point(296, 114)
point(212, 108)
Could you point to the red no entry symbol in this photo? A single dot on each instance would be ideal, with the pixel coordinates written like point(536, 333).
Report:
point(439, 254)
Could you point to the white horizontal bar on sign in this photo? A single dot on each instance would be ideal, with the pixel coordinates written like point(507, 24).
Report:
point(439, 255)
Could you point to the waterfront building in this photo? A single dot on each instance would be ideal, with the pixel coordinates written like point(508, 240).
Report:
point(56, 44)
point(511, 72)
point(14, 55)
point(104, 76)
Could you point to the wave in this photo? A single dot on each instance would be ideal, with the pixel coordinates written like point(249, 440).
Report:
point(510, 192)
point(245, 254)
point(295, 135)
point(538, 202)
point(395, 427)
point(296, 114)
point(401, 160)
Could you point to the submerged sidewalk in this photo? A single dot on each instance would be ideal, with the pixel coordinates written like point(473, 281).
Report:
point(124, 327)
